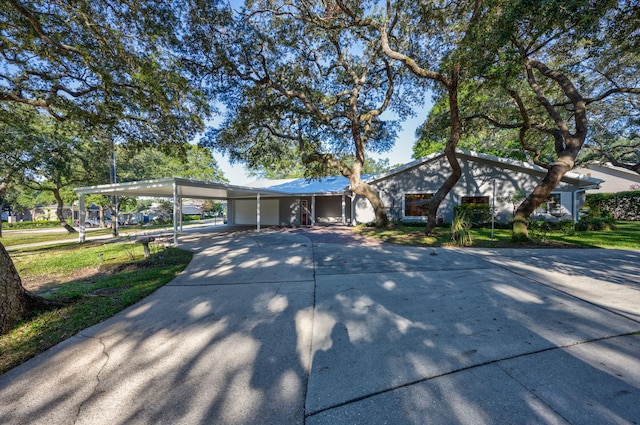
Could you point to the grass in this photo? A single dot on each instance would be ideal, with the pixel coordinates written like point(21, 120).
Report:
point(625, 236)
point(20, 237)
point(93, 280)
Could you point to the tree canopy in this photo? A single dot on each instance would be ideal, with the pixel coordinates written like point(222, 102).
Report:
point(309, 88)
point(101, 62)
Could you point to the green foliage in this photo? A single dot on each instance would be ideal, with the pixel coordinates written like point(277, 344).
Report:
point(38, 224)
point(596, 219)
point(620, 206)
point(102, 65)
point(193, 162)
point(308, 97)
point(476, 214)
point(461, 229)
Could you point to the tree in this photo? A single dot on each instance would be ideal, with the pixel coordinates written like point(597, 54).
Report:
point(60, 160)
point(432, 134)
point(428, 39)
point(195, 163)
point(101, 64)
point(552, 72)
point(310, 88)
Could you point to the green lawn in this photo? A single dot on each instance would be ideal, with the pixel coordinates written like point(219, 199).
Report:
point(92, 281)
point(13, 238)
point(625, 236)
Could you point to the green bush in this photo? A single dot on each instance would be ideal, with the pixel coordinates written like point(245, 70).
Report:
point(596, 219)
point(476, 214)
point(39, 224)
point(596, 223)
point(620, 206)
point(461, 230)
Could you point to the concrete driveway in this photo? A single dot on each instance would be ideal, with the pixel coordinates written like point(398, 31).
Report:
point(306, 327)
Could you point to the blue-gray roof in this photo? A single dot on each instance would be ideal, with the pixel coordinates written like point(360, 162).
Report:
point(332, 184)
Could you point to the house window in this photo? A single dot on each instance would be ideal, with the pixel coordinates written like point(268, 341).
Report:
point(551, 204)
point(475, 200)
point(417, 204)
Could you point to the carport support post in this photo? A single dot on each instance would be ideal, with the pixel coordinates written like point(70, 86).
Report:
point(81, 217)
point(343, 211)
point(258, 212)
point(175, 213)
point(313, 210)
point(181, 214)
point(353, 209)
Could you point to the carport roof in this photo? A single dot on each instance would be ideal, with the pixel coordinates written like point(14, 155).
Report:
point(186, 188)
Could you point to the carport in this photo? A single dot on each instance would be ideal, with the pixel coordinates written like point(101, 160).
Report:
point(176, 189)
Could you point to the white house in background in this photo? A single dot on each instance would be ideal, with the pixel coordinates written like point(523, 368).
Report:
point(616, 179)
point(407, 189)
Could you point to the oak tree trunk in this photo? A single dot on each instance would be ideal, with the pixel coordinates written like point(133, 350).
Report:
point(361, 188)
point(539, 195)
point(449, 151)
point(567, 144)
point(16, 303)
point(60, 213)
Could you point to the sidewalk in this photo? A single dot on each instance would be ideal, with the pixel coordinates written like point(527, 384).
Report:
point(293, 327)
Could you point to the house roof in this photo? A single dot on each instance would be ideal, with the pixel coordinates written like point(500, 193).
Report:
point(611, 169)
point(570, 177)
point(331, 185)
point(186, 188)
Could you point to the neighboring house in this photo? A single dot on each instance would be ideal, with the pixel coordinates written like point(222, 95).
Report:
point(48, 212)
point(406, 191)
point(616, 179)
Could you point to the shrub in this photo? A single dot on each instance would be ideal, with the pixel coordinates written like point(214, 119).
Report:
point(39, 224)
point(461, 230)
point(621, 205)
point(476, 214)
point(539, 229)
point(596, 219)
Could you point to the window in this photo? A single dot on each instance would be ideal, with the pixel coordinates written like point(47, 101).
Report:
point(417, 204)
point(475, 200)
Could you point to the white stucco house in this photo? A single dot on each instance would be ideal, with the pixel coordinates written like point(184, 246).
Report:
point(407, 189)
point(615, 179)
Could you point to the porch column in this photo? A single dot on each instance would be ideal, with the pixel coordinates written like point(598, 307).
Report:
point(175, 213)
point(181, 213)
point(344, 205)
point(258, 213)
point(81, 217)
point(313, 210)
point(353, 209)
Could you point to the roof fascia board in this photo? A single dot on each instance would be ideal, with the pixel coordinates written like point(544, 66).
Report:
point(571, 176)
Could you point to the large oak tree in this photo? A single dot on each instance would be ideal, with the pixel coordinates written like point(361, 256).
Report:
point(428, 39)
point(310, 85)
point(551, 74)
point(103, 64)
